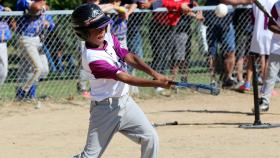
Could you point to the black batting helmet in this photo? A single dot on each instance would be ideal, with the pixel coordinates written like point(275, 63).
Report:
point(88, 16)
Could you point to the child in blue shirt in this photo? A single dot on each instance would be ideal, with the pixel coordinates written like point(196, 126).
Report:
point(5, 35)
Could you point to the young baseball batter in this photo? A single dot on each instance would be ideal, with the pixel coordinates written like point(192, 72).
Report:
point(5, 34)
point(112, 110)
point(274, 59)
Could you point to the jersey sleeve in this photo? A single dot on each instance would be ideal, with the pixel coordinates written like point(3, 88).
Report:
point(275, 15)
point(102, 69)
point(121, 52)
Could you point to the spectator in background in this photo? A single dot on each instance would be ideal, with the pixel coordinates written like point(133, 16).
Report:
point(119, 24)
point(135, 41)
point(5, 34)
point(47, 41)
point(180, 59)
point(221, 31)
point(30, 27)
point(162, 32)
point(261, 43)
point(244, 29)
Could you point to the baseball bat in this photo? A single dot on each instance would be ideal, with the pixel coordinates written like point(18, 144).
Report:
point(202, 88)
point(262, 8)
point(166, 124)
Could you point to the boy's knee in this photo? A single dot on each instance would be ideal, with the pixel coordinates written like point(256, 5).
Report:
point(150, 138)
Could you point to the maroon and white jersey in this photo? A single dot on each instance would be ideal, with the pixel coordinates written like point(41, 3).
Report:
point(275, 42)
point(261, 40)
point(102, 65)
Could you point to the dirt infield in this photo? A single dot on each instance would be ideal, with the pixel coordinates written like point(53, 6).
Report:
point(210, 129)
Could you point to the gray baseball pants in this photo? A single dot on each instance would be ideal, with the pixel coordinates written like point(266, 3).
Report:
point(3, 62)
point(119, 115)
point(272, 74)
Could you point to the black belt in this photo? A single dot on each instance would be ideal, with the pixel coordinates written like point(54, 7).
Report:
point(106, 101)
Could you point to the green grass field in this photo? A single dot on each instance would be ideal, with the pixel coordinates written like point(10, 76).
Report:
point(61, 89)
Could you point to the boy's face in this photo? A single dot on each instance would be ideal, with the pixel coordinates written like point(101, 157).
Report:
point(97, 36)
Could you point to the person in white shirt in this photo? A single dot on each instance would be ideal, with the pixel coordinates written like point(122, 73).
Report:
point(260, 44)
point(274, 59)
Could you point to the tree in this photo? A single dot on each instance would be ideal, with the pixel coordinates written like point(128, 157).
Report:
point(9, 3)
point(54, 4)
point(63, 5)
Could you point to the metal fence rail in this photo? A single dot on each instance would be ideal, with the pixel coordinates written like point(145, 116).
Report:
point(181, 51)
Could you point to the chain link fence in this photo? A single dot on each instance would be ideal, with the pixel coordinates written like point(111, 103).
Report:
point(183, 51)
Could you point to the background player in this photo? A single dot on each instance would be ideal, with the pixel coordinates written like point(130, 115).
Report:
point(30, 28)
point(5, 34)
point(260, 44)
point(112, 109)
point(274, 59)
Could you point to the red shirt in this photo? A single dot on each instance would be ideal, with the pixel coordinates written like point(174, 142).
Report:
point(174, 12)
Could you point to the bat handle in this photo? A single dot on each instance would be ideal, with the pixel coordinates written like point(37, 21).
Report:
point(173, 82)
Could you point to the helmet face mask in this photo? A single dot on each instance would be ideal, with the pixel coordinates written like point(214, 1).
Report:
point(88, 16)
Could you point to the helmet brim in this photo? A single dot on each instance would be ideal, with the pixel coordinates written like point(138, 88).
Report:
point(101, 23)
point(105, 24)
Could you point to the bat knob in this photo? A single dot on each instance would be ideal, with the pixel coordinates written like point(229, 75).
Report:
point(216, 91)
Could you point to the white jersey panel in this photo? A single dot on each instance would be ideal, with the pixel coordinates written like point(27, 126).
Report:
point(261, 40)
point(104, 88)
point(275, 42)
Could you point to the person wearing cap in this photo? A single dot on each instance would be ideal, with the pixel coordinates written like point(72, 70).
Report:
point(30, 27)
point(112, 109)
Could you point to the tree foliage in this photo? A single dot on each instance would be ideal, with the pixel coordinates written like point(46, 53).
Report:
point(54, 4)
point(63, 5)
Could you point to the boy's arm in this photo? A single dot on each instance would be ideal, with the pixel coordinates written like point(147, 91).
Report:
point(137, 81)
point(272, 26)
point(101, 69)
point(139, 64)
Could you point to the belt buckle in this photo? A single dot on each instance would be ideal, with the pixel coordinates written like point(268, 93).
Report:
point(107, 100)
